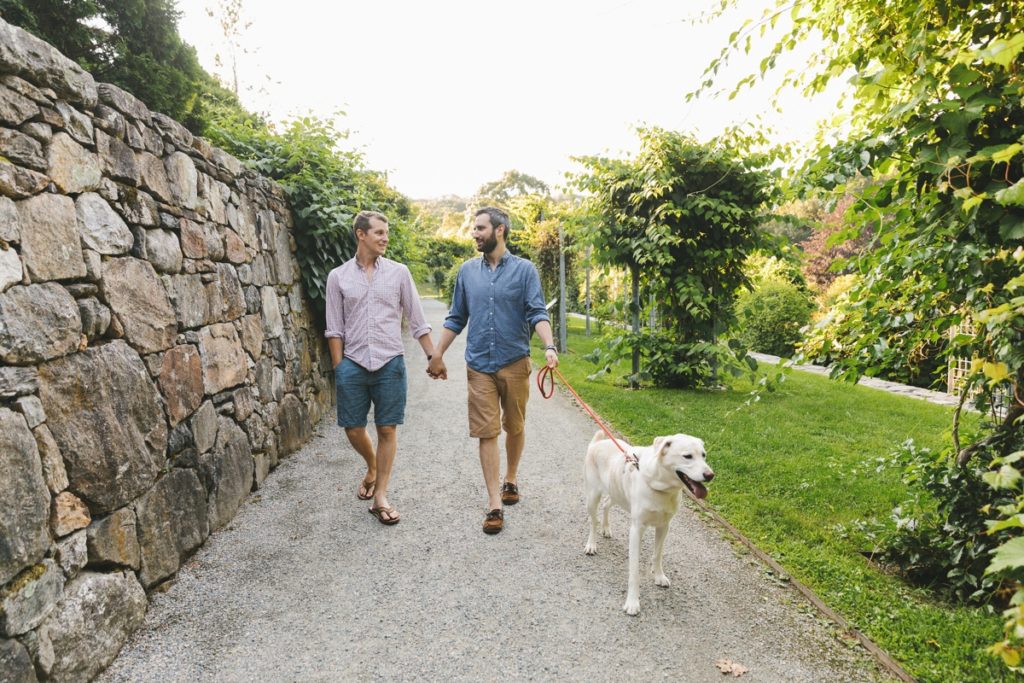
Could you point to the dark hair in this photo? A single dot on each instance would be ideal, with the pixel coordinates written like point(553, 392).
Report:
point(362, 221)
point(497, 217)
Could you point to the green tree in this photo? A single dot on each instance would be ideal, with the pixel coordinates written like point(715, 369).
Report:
point(681, 217)
point(512, 184)
point(133, 44)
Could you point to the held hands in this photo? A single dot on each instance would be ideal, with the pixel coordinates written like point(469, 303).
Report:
point(436, 367)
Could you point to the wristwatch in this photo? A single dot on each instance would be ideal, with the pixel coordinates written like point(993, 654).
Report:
point(551, 347)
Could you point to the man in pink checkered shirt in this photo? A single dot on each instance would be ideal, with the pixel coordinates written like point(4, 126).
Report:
point(366, 299)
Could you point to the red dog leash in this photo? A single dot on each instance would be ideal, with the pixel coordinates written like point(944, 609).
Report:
point(546, 374)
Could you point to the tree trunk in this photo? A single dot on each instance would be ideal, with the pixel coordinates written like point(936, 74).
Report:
point(634, 382)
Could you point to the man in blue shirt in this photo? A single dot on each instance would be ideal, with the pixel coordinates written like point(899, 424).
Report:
point(499, 296)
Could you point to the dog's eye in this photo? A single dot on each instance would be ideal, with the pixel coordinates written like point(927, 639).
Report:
point(688, 456)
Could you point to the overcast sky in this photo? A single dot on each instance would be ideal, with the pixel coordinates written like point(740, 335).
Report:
point(447, 95)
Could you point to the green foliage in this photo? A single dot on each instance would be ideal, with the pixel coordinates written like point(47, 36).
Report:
point(771, 316)
point(133, 44)
point(682, 216)
point(449, 283)
point(442, 217)
point(937, 122)
point(512, 184)
point(439, 254)
point(761, 267)
point(941, 538)
point(326, 188)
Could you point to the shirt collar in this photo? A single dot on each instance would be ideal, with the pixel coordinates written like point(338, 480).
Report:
point(501, 262)
point(376, 263)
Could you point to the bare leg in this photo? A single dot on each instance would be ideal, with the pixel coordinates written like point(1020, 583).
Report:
point(514, 452)
point(360, 441)
point(490, 462)
point(387, 444)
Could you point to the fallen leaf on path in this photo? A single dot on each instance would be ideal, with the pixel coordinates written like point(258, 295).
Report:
point(727, 666)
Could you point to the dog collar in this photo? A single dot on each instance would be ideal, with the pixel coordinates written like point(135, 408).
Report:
point(631, 459)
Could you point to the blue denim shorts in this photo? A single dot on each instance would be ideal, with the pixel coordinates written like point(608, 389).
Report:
point(356, 388)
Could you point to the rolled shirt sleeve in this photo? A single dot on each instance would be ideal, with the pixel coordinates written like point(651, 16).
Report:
point(413, 307)
point(536, 309)
point(458, 314)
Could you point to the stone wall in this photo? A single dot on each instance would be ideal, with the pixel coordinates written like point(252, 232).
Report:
point(156, 355)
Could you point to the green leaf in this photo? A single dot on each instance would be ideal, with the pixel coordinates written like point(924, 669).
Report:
point(1012, 195)
point(996, 372)
point(1009, 555)
point(972, 201)
point(1002, 52)
point(1014, 522)
point(1006, 153)
point(1006, 477)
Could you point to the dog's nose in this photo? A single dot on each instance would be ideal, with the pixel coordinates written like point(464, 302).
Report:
point(709, 475)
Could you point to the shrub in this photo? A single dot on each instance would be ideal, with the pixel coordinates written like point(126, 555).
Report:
point(770, 317)
point(449, 282)
point(761, 267)
point(941, 539)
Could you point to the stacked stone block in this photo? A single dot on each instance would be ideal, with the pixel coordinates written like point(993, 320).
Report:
point(156, 359)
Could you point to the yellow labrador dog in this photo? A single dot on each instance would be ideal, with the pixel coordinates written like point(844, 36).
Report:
point(648, 490)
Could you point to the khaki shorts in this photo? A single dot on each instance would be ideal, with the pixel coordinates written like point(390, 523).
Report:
point(507, 389)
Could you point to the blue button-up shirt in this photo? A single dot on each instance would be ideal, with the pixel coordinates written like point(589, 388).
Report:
point(502, 306)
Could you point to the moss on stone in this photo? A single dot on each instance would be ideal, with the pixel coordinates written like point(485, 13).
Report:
point(33, 573)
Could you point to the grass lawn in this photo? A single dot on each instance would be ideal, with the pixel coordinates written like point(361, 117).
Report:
point(795, 473)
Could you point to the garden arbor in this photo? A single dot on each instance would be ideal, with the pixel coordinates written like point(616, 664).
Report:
point(681, 217)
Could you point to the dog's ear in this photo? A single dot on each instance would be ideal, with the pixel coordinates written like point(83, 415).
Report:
point(659, 442)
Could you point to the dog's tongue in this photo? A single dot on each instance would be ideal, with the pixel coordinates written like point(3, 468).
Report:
point(698, 489)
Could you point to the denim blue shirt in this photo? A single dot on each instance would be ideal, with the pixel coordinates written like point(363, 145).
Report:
point(502, 306)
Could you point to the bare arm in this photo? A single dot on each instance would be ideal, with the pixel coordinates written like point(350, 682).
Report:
point(427, 344)
point(543, 330)
point(436, 368)
point(337, 349)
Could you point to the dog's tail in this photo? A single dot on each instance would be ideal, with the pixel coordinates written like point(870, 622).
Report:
point(599, 435)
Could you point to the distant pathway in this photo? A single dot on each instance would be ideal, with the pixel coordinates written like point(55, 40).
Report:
point(305, 585)
point(939, 397)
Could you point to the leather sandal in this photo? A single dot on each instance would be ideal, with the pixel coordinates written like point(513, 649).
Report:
point(366, 489)
point(392, 515)
point(494, 521)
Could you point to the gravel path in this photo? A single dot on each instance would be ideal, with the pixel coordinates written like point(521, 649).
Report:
point(306, 585)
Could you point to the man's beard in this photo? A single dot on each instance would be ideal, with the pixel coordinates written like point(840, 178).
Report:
point(488, 245)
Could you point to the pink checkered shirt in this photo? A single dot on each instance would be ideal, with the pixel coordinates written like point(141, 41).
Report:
point(367, 316)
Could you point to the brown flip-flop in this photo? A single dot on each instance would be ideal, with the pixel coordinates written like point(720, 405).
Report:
point(366, 489)
point(392, 515)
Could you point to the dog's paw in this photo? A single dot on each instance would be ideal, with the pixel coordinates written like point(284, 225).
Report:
point(606, 532)
point(662, 581)
point(590, 548)
point(632, 607)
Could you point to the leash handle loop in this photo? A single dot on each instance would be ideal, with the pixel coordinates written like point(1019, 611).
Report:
point(547, 373)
